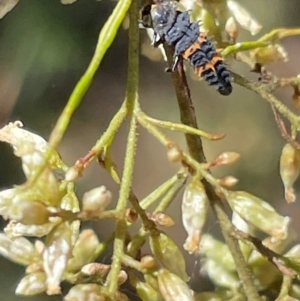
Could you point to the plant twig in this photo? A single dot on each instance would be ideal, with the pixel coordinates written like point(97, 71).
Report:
point(188, 117)
point(126, 182)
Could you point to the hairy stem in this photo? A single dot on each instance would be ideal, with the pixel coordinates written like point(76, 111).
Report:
point(126, 182)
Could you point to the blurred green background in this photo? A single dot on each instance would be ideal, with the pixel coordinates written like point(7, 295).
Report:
point(44, 49)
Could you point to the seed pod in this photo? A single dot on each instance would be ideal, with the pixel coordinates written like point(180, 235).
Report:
point(289, 170)
point(32, 284)
point(194, 209)
point(85, 292)
point(96, 200)
point(29, 213)
point(84, 250)
point(167, 254)
point(259, 213)
point(173, 288)
point(56, 255)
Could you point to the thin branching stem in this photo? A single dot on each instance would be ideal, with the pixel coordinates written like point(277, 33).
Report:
point(126, 182)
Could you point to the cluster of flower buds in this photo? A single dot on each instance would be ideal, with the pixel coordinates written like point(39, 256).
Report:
point(289, 170)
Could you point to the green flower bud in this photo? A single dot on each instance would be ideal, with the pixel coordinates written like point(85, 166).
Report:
point(147, 292)
point(259, 213)
point(194, 208)
point(32, 284)
point(168, 255)
point(173, 288)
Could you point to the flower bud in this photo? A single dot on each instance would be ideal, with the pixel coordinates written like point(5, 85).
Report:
point(29, 213)
point(84, 250)
point(122, 277)
point(85, 292)
point(166, 253)
point(72, 174)
point(259, 213)
point(194, 209)
point(172, 287)
point(289, 170)
point(228, 181)
point(96, 200)
point(174, 154)
point(32, 284)
point(231, 29)
point(96, 268)
point(56, 255)
point(225, 158)
point(161, 219)
point(147, 262)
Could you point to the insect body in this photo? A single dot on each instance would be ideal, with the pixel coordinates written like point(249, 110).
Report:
point(175, 28)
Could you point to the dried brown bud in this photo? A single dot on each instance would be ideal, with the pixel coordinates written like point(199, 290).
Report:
point(96, 200)
point(131, 215)
point(194, 209)
point(289, 170)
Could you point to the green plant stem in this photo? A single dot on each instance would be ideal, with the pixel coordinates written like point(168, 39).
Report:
point(126, 182)
point(106, 37)
point(188, 117)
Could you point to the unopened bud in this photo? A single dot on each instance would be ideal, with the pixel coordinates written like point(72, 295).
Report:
point(32, 284)
point(29, 213)
point(122, 277)
point(173, 288)
point(289, 170)
point(147, 292)
point(96, 200)
point(228, 181)
point(194, 209)
point(225, 158)
point(231, 29)
point(161, 219)
point(96, 268)
point(72, 174)
point(147, 262)
point(259, 213)
point(174, 154)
